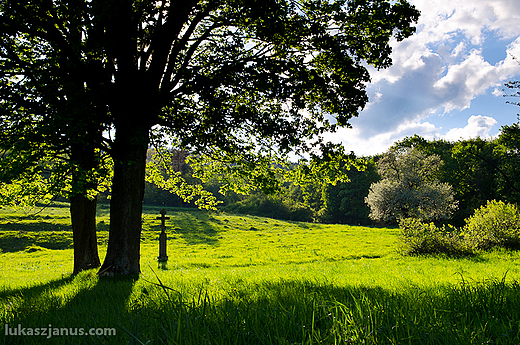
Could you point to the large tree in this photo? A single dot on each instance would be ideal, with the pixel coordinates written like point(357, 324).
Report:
point(228, 78)
point(51, 126)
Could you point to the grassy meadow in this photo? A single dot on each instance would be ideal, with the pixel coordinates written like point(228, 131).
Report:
point(250, 280)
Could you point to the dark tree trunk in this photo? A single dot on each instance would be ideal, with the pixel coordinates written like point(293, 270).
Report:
point(83, 210)
point(126, 205)
point(83, 217)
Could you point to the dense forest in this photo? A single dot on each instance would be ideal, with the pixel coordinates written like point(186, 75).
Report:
point(478, 170)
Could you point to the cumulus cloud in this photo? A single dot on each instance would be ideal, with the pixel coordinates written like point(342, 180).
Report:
point(474, 76)
point(405, 100)
point(454, 31)
point(439, 70)
point(464, 81)
point(478, 126)
point(357, 141)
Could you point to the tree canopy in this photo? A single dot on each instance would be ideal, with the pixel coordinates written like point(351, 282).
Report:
point(227, 78)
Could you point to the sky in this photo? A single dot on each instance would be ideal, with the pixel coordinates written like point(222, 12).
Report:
point(446, 81)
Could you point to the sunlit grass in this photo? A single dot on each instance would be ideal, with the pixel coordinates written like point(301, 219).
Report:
point(251, 280)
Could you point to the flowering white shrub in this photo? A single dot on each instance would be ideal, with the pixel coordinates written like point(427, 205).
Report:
point(409, 188)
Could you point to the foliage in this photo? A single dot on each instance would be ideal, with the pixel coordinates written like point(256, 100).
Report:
point(477, 169)
point(244, 173)
point(497, 224)
point(222, 79)
point(160, 172)
point(470, 166)
point(494, 225)
point(331, 168)
point(240, 173)
point(417, 237)
point(52, 177)
point(508, 151)
point(293, 190)
point(476, 180)
point(514, 87)
point(320, 174)
point(272, 206)
point(25, 191)
point(409, 188)
point(51, 140)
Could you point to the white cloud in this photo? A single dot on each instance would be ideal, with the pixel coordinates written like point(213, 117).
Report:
point(452, 29)
point(474, 76)
point(464, 81)
point(461, 47)
point(356, 140)
point(513, 54)
point(407, 100)
point(441, 20)
point(478, 126)
point(439, 70)
point(507, 17)
point(498, 92)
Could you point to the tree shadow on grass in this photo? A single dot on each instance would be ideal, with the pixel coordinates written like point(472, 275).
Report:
point(81, 309)
point(40, 225)
point(16, 241)
point(194, 228)
point(35, 290)
point(305, 312)
point(266, 312)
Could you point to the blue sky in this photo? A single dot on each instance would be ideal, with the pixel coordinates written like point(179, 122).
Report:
point(446, 81)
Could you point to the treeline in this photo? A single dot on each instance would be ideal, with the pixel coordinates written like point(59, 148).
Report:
point(478, 170)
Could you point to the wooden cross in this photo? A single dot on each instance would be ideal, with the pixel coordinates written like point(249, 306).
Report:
point(163, 257)
point(163, 219)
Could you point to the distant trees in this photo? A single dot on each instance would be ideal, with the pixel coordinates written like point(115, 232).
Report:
point(478, 170)
point(345, 201)
point(509, 151)
point(409, 188)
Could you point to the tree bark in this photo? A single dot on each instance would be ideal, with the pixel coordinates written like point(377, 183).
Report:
point(83, 217)
point(83, 210)
point(126, 205)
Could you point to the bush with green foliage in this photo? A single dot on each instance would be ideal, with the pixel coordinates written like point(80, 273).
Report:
point(426, 238)
point(496, 224)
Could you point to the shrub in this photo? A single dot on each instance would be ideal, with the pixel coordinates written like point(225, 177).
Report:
point(410, 188)
point(492, 225)
point(425, 238)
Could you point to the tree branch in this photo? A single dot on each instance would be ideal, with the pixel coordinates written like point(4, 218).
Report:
point(173, 56)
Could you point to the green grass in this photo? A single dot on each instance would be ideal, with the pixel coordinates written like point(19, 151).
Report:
point(252, 280)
